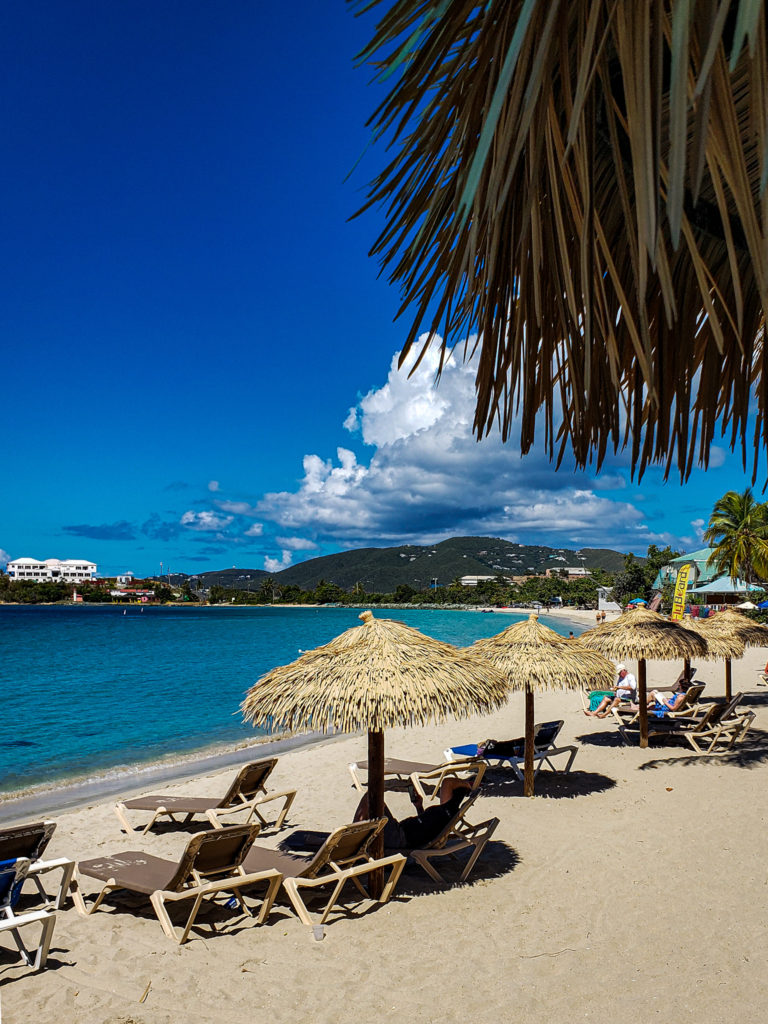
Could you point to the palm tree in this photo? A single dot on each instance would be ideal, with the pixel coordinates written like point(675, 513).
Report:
point(738, 533)
point(582, 186)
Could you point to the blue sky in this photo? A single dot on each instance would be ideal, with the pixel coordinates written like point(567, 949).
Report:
point(198, 351)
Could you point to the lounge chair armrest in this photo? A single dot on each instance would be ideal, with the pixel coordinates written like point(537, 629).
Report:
point(251, 806)
point(395, 862)
point(467, 831)
point(446, 771)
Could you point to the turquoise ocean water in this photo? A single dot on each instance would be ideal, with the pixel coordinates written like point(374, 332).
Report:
point(88, 690)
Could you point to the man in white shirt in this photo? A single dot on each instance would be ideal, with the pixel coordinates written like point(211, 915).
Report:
point(624, 690)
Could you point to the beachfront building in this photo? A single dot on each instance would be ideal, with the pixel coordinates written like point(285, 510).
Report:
point(52, 570)
point(570, 572)
point(125, 579)
point(724, 590)
point(472, 581)
point(700, 572)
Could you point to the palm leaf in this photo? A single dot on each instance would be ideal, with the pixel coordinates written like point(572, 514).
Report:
point(582, 185)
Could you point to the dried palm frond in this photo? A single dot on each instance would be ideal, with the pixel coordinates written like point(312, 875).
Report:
point(721, 642)
point(641, 634)
point(583, 185)
point(375, 676)
point(534, 657)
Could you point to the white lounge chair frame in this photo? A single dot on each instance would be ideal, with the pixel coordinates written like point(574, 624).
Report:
point(40, 867)
point(12, 922)
point(541, 756)
point(416, 774)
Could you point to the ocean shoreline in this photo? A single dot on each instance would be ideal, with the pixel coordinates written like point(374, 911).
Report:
point(45, 800)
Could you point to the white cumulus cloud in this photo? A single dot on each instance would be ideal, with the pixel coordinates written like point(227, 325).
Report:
point(428, 478)
point(213, 485)
point(4, 557)
point(205, 521)
point(276, 564)
point(296, 543)
point(255, 530)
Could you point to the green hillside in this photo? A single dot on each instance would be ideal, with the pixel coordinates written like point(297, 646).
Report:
point(382, 569)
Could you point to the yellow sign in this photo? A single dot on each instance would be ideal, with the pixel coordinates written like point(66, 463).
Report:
point(681, 586)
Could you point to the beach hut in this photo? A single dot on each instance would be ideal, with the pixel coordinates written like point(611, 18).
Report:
point(536, 658)
point(643, 634)
point(373, 677)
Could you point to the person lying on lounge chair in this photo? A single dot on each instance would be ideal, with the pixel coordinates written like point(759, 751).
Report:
point(420, 829)
point(660, 703)
point(625, 689)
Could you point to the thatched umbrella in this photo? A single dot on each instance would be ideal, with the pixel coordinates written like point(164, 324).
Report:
point(582, 187)
point(375, 676)
point(533, 657)
point(722, 645)
point(640, 633)
point(729, 624)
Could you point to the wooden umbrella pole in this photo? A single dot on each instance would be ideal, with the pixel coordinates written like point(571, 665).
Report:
point(687, 669)
point(728, 682)
point(376, 803)
point(642, 699)
point(528, 772)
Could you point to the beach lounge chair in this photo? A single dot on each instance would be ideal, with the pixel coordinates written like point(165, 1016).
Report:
point(457, 836)
point(210, 864)
point(511, 753)
point(247, 793)
point(716, 730)
point(344, 856)
point(30, 841)
point(425, 779)
point(12, 875)
point(629, 718)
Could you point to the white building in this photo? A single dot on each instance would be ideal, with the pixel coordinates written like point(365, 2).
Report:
point(52, 570)
point(125, 580)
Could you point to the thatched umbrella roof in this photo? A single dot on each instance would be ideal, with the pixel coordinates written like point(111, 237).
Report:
point(640, 633)
point(582, 185)
point(751, 633)
point(720, 643)
point(375, 676)
point(535, 658)
point(732, 627)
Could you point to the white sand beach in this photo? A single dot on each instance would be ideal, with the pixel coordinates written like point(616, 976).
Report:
point(632, 889)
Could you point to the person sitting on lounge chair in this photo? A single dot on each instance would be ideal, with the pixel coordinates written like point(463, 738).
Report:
point(625, 690)
point(420, 829)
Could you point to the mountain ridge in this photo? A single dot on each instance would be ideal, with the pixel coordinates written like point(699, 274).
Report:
point(381, 569)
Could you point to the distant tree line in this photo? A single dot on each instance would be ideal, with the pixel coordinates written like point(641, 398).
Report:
point(39, 592)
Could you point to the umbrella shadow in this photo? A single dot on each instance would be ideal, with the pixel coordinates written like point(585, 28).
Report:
point(602, 738)
point(498, 859)
point(750, 753)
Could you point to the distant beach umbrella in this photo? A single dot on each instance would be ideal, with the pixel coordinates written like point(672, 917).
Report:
point(722, 645)
point(373, 677)
point(641, 634)
point(730, 624)
point(535, 658)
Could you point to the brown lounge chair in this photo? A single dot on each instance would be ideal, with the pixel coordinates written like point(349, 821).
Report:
point(247, 793)
point(425, 779)
point(719, 726)
point(629, 718)
point(211, 863)
point(30, 842)
point(343, 857)
point(458, 835)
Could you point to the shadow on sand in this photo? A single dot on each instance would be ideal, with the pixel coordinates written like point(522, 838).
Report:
point(553, 785)
point(750, 753)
